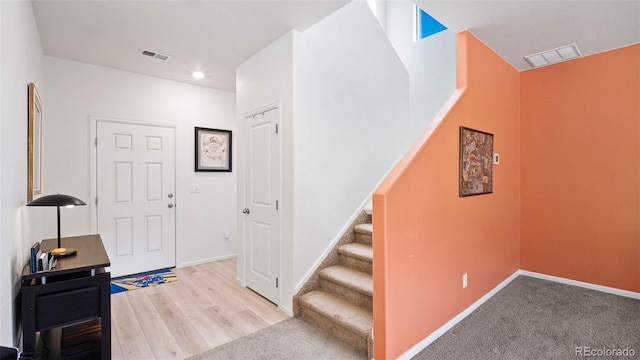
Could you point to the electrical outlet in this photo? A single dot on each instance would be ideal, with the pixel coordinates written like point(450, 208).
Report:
point(464, 281)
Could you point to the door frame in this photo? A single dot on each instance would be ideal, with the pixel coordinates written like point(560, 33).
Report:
point(242, 264)
point(93, 168)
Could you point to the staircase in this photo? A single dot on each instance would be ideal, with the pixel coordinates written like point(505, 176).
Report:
point(340, 299)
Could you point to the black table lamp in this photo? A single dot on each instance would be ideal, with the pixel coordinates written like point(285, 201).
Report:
point(58, 200)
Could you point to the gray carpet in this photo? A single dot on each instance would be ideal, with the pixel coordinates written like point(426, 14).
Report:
point(528, 319)
point(538, 319)
point(289, 339)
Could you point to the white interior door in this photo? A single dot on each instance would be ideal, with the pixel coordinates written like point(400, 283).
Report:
point(262, 229)
point(135, 187)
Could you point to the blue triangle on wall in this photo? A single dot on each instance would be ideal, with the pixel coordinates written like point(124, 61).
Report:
point(427, 25)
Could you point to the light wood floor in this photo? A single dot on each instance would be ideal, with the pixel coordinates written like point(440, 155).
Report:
point(205, 308)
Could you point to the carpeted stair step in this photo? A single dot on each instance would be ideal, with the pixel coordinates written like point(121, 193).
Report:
point(352, 285)
point(364, 233)
point(357, 256)
point(338, 316)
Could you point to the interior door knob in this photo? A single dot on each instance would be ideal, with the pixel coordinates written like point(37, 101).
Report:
point(170, 205)
point(246, 211)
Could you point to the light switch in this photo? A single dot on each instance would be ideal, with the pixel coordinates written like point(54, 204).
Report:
point(195, 189)
point(496, 159)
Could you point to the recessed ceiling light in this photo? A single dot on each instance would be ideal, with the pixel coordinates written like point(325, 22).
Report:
point(198, 74)
point(553, 56)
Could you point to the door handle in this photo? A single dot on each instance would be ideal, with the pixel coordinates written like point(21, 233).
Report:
point(246, 211)
point(170, 205)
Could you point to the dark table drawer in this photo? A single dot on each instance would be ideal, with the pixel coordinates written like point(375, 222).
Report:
point(67, 307)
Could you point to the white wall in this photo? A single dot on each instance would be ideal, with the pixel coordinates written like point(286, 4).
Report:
point(345, 100)
point(344, 96)
point(351, 112)
point(354, 104)
point(265, 79)
point(20, 64)
point(76, 91)
point(431, 63)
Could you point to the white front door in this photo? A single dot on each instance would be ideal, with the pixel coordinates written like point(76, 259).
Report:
point(135, 187)
point(262, 229)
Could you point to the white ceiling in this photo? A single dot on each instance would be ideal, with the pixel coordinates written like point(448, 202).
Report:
point(517, 28)
point(212, 36)
point(215, 36)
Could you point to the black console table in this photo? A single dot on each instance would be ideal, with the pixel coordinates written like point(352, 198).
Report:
point(76, 291)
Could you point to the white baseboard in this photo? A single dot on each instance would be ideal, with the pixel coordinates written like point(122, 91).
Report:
point(287, 310)
point(366, 206)
point(451, 323)
point(328, 249)
point(204, 261)
point(606, 289)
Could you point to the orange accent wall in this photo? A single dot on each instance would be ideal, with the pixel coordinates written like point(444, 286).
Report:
point(426, 237)
point(580, 132)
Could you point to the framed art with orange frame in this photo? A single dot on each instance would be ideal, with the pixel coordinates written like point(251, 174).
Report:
point(476, 162)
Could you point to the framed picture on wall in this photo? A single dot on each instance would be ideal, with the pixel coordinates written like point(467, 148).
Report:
point(34, 143)
point(213, 149)
point(476, 162)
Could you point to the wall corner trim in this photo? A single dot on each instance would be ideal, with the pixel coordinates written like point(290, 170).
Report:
point(462, 56)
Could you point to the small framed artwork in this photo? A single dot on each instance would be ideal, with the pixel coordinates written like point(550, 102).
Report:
point(213, 149)
point(34, 151)
point(476, 162)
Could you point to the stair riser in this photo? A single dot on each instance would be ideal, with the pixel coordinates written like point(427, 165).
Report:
point(335, 329)
point(364, 238)
point(356, 264)
point(349, 294)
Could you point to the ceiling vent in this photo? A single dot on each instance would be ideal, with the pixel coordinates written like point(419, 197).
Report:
point(553, 56)
point(155, 55)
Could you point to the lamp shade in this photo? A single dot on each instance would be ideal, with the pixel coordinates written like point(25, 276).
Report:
point(56, 200)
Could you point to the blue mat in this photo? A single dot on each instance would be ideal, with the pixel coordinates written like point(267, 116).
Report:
point(142, 280)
